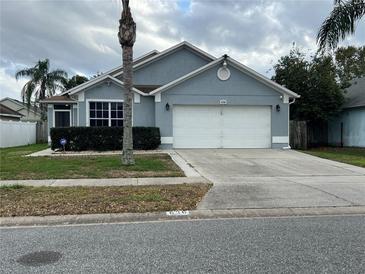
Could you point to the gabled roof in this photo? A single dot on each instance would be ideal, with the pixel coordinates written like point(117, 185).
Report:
point(115, 70)
point(21, 105)
point(139, 62)
point(170, 50)
point(98, 80)
point(355, 94)
point(5, 111)
point(246, 70)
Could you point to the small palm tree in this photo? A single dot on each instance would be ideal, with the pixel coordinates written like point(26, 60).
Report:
point(340, 22)
point(42, 83)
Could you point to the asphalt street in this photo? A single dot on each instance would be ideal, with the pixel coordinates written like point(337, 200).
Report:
point(262, 245)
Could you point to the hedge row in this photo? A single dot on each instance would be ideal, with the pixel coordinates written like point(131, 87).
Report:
point(104, 138)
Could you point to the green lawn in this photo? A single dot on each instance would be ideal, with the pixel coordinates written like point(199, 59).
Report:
point(352, 156)
point(40, 201)
point(14, 166)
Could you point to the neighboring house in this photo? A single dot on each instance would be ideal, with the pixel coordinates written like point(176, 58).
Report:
point(30, 114)
point(7, 114)
point(197, 101)
point(348, 128)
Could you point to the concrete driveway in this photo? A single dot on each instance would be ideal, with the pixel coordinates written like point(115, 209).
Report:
point(267, 178)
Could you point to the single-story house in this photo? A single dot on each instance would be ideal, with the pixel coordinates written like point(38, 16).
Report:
point(348, 128)
point(194, 98)
point(29, 114)
point(7, 114)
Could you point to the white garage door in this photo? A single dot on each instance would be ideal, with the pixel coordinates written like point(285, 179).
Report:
point(222, 126)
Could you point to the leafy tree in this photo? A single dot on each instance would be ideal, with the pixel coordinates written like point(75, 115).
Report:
point(127, 37)
point(42, 83)
point(350, 64)
point(74, 81)
point(340, 22)
point(314, 78)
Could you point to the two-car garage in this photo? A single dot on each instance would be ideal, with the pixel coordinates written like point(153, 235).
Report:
point(222, 126)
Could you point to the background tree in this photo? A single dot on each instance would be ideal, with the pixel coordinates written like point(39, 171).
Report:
point(340, 22)
point(74, 81)
point(350, 64)
point(127, 37)
point(42, 83)
point(314, 78)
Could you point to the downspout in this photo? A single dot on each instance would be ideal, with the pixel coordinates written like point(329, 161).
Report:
point(292, 102)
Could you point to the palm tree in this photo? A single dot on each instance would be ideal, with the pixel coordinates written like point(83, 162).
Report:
point(42, 83)
point(127, 37)
point(340, 23)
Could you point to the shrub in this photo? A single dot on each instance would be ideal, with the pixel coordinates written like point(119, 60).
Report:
point(104, 138)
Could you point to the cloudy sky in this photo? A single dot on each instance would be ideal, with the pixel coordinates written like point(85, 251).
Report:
point(79, 36)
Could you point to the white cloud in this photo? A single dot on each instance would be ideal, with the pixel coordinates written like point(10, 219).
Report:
point(9, 86)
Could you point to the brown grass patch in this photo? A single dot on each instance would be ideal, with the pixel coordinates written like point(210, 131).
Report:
point(42, 201)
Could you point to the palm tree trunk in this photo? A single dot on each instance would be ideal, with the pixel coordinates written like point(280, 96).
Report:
point(127, 156)
point(127, 37)
point(43, 106)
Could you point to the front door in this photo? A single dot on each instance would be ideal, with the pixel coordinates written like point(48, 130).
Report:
point(62, 118)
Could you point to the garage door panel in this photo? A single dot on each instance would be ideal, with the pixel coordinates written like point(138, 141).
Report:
point(222, 126)
point(196, 127)
point(246, 127)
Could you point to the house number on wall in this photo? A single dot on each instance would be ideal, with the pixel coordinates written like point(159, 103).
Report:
point(223, 102)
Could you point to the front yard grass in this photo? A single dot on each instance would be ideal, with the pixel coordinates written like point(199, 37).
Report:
point(352, 156)
point(42, 201)
point(14, 166)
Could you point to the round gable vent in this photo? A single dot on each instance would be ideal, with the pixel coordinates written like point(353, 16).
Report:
point(223, 72)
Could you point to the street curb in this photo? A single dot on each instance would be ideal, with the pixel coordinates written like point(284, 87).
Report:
point(178, 215)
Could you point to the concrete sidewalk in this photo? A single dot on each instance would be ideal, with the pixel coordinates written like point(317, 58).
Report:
point(108, 182)
point(48, 152)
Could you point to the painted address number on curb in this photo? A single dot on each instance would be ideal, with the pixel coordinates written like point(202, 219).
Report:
point(178, 213)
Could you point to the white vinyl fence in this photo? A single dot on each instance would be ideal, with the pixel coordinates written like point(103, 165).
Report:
point(14, 133)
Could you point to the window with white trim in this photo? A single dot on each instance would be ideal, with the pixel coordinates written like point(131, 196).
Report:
point(103, 114)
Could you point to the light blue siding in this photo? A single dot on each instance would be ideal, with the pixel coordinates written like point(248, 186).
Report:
point(207, 89)
point(169, 68)
point(144, 113)
point(353, 128)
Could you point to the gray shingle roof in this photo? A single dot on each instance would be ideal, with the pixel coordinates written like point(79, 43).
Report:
point(355, 94)
point(8, 111)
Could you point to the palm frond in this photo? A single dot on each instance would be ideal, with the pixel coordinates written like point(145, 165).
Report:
point(27, 92)
point(340, 23)
point(58, 75)
point(28, 72)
